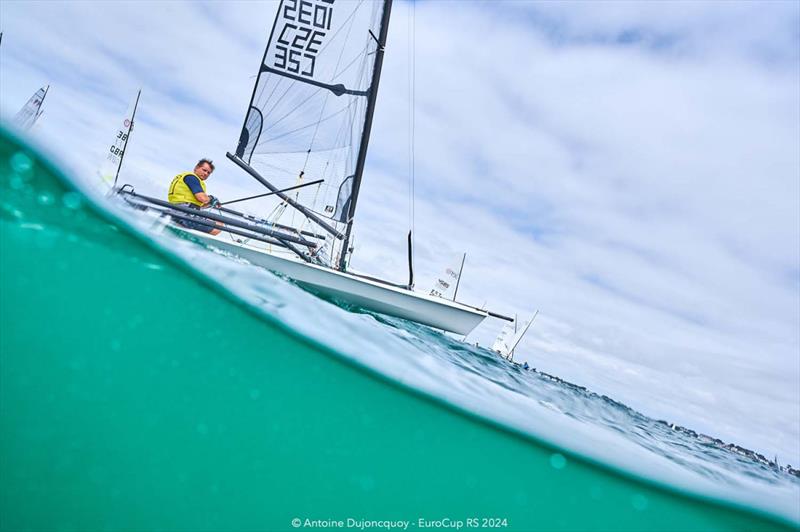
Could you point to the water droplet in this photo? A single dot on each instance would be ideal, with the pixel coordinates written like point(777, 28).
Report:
point(558, 461)
point(21, 163)
point(45, 198)
point(639, 502)
point(72, 200)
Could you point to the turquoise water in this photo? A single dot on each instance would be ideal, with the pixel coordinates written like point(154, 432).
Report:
point(149, 384)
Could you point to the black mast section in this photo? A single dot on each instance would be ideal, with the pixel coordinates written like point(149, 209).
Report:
point(362, 150)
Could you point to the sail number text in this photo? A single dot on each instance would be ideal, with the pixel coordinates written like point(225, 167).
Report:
point(115, 148)
point(306, 22)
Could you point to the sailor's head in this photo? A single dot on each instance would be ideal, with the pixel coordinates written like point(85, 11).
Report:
point(204, 168)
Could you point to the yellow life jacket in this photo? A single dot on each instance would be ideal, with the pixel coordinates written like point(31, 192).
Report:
point(180, 193)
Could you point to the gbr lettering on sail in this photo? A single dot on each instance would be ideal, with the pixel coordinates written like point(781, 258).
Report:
point(305, 24)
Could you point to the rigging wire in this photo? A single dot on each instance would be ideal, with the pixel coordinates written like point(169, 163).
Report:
point(325, 101)
point(412, 67)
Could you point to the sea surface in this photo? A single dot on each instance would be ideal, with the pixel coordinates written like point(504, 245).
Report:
point(148, 383)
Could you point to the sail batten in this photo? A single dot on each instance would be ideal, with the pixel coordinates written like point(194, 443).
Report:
point(311, 104)
point(337, 89)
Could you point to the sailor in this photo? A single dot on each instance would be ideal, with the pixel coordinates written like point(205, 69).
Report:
point(189, 190)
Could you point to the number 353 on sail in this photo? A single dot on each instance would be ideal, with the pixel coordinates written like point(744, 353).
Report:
point(305, 24)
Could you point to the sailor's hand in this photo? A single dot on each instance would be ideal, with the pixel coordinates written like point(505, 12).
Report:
point(213, 202)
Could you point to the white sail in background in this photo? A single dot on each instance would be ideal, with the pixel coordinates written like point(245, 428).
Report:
point(109, 168)
point(31, 111)
point(510, 337)
point(447, 283)
point(502, 344)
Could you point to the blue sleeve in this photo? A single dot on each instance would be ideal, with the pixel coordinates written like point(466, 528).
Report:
point(193, 182)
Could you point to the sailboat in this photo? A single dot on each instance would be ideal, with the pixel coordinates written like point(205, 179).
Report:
point(304, 138)
point(31, 111)
point(510, 336)
point(112, 164)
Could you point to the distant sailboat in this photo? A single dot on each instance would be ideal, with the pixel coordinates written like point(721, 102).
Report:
point(31, 111)
point(510, 336)
point(112, 164)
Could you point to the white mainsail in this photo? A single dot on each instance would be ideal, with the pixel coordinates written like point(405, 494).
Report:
point(309, 111)
point(502, 342)
point(510, 336)
point(447, 284)
point(31, 111)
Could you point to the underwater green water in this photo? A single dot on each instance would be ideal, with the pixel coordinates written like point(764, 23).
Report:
point(137, 395)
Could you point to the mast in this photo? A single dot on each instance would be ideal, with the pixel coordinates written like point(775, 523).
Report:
point(362, 150)
point(130, 130)
point(460, 271)
point(46, 89)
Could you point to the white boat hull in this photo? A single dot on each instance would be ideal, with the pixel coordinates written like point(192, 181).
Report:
point(365, 293)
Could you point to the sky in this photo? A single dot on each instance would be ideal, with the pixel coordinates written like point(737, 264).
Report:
point(629, 169)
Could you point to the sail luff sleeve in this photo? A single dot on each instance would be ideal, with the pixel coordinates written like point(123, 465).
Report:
point(362, 152)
